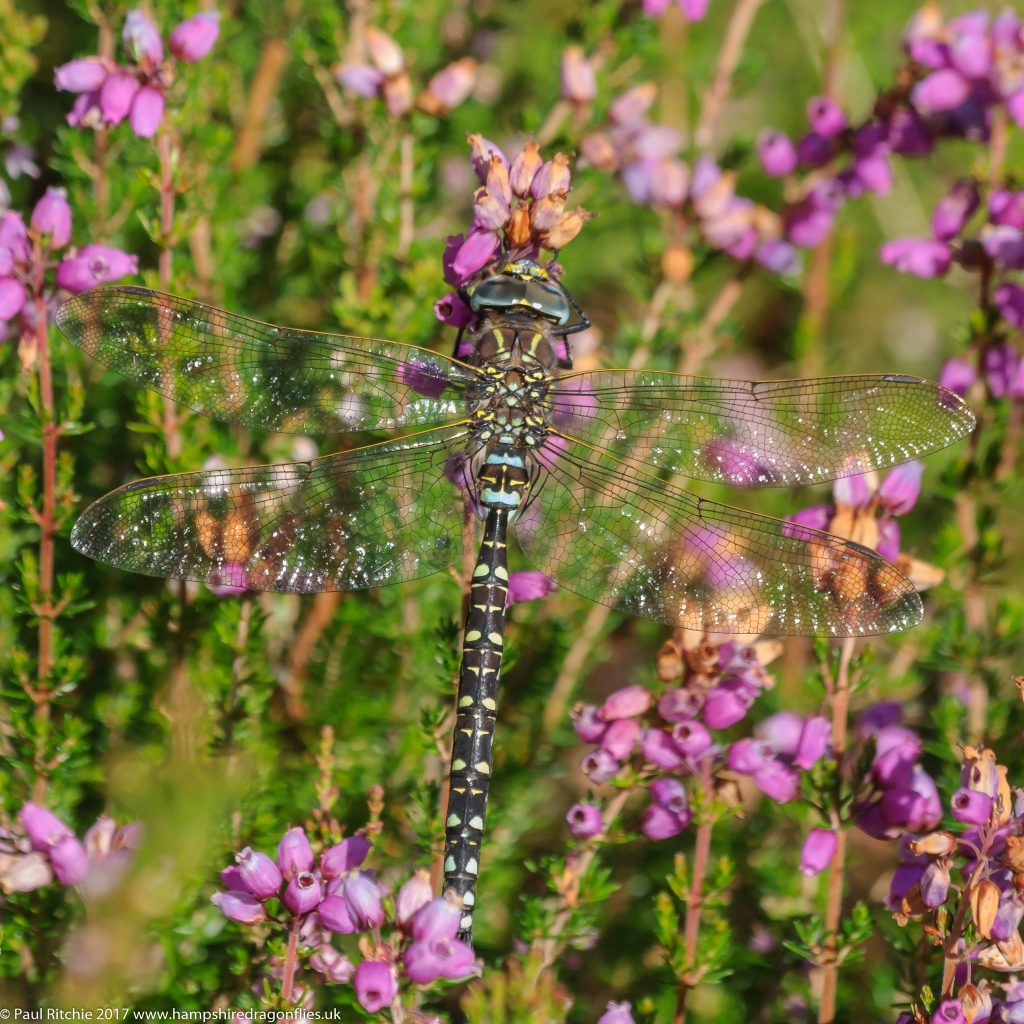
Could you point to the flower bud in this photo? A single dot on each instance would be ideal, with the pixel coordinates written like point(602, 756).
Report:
point(141, 38)
point(52, 218)
point(449, 88)
point(43, 828)
point(498, 183)
point(518, 232)
point(670, 794)
point(69, 861)
point(630, 107)
point(984, 905)
point(489, 213)
point(825, 117)
point(415, 894)
point(345, 856)
point(362, 79)
point(626, 703)
point(568, 227)
point(621, 738)
point(480, 152)
point(303, 893)
point(818, 848)
point(935, 883)
point(439, 919)
point(936, 844)
point(335, 915)
point(814, 740)
point(397, 93)
point(579, 83)
point(547, 212)
point(260, 875)
point(660, 749)
point(294, 854)
point(147, 112)
point(599, 150)
point(776, 153)
point(242, 907)
point(82, 76)
point(25, 874)
point(193, 39)
point(335, 967)
point(524, 169)
point(659, 823)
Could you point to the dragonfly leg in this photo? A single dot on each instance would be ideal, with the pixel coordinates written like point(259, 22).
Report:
point(477, 706)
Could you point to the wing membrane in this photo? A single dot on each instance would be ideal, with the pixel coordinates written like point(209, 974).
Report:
point(276, 378)
point(759, 433)
point(372, 516)
point(621, 537)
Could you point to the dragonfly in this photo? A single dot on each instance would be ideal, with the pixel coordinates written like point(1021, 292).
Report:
point(577, 466)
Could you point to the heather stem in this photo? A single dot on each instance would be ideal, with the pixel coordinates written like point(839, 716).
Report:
point(406, 220)
point(170, 421)
point(695, 897)
point(47, 525)
point(291, 960)
point(840, 701)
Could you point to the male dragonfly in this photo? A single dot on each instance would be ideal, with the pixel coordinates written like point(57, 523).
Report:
point(574, 462)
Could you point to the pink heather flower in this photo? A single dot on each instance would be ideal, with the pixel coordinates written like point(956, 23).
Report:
point(588, 725)
point(727, 703)
point(776, 153)
point(334, 914)
point(777, 781)
point(1005, 245)
point(554, 177)
point(375, 985)
point(814, 740)
point(450, 309)
point(303, 893)
point(117, 95)
point(971, 807)
point(691, 738)
point(12, 298)
point(825, 117)
point(294, 854)
point(363, 896)
point(14, 237)
point(27, 873)
point(425, 962)
point(1009, 300)
point(452, 85)
point(626, 703)
point(1006, 208)
point(599, 766)
point(958, 375)
point(362, 79)
point(819, 846)
point(896, 751)
point(43, 828)
point(69, 861)
point(971, 55)
point(147, 112)
point(194, 38)
point(888, 545)
point(52, 217)
point(949, 1011)
point(423, 376)
point(781, 732)
point(439, 919)
point(489, 213)
point(659, 823)
point(242, 907)
point(922, 257)
point(746, 756)
point(385, 53)
point(621, 738)
point(679, 703)
point(661, 750)
point(617, 1013)
point(670, 794)
point(345, 856)
point(778, 256)
point(901, 488)
point(935, 884)
point(228, 580)
point(413, 896)
point(93, 265)
point(1015, 107)
point(335, 967)
point(231, 877)
point(808, 224)
point(1008, 918)
point(693, 10)
point(942, 90)
point(853, 491)
point(999, 364)
point(584, 820)
point(259, 874)
point(474, 254)
point(528, 585)
point(84, 75)
point(579, 83)
point(481, 151)
point(85, 111)
point(954, 210)
point(141, 38)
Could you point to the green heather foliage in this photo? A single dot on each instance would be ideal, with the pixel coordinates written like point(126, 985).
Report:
point(219, 722)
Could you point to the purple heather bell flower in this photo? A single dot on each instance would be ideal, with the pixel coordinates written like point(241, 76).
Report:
point(588, 725)
point(777, 153)
point(334, 914)
point(954, 210)
point(43, 828)
point(375, 985)
point(442, 957)
point(935, 883)
point(621, 738)
point(194, 38)
point(901, 488)
point(117, 95)
point(825, 117)
point(439, 919)
point(147, 112)
point(528, 585)
point(818, 848)
point(303, 893)
point(344, 856)
point(942, 90)
point(69, 860)
point(616, 1013)
point(93, 265)
point(658, 747)
point(579, 83)
point(922, 257)
point(142, 39)
point(85, 75)
point(660, 823)
point(670, 794)
point(626, 703)
point(584, 820)
point(958, 375)
point(599, 766)
point(691, 738)
point(363, 898)
point(728, 703)
point(777, 781)
point(413, 896)
point(242, 907)
point(971, 806)
point(814, 739)
point(693, 10)
point(294, 854)
point(1009, 300)
point(259, 874)
point(949, 1011)
point(335, 967)
point(52, 218)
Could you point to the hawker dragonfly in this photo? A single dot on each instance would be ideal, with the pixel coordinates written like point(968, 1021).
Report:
point(577, 464)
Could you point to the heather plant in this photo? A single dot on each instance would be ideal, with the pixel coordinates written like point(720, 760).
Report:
point(219, 799)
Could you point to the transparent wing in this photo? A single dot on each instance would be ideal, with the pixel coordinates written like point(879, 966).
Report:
point(234, 368)
point(363, 518)
point(621, 537)
point(759, 433)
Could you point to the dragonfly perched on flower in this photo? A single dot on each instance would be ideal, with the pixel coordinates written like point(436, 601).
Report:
point(574, 462)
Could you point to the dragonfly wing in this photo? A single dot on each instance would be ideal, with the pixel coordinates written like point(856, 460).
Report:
point(233, 368)
point(759, 433)
point(363, 518)
point(619, 536)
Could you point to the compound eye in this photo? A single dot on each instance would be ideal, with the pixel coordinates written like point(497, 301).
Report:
point(496, 293)
point(549, 300)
